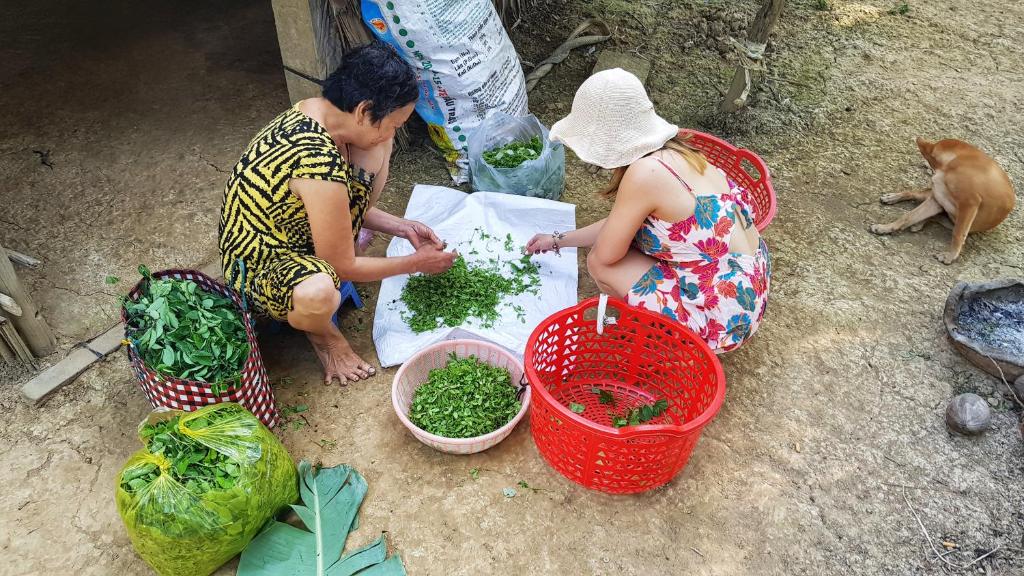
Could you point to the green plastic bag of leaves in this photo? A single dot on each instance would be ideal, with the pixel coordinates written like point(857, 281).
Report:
point(202, 488)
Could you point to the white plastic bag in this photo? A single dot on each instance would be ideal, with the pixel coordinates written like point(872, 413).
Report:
point(454, 215)
point(465, 62)
point(543, 177)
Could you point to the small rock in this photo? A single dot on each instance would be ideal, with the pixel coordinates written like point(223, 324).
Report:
point(993, 401)
point(509, 492)
point(968, 414)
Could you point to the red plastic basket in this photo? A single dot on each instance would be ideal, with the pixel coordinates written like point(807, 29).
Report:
point(642, 358)
point(253, 392)
point(730, 159)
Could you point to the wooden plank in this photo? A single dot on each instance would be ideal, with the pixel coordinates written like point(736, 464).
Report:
point(13, 341)
point(109, 341)
point(50, 380)
point(69, 368)
point(23, 259)
point(33, 329)
point(6, 353)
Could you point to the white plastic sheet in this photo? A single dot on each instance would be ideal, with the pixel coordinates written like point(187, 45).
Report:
point(454, 215)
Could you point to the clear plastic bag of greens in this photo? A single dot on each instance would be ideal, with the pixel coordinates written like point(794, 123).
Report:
point(202, 487)
point(512, 154)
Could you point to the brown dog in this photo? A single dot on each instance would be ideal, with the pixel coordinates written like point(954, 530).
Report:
point(967, 185)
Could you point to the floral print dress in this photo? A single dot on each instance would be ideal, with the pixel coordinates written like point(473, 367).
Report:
point(718, 294)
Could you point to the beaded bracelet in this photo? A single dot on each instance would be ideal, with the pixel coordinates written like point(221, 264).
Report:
point(555, 237)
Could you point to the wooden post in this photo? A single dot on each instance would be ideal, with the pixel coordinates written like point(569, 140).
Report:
point(30, 324)
point(753, 51)
point(313, 36)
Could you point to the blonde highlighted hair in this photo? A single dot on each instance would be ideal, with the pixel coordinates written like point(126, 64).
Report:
point(681, 145)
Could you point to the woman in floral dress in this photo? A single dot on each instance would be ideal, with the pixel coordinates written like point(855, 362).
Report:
point(680, 239)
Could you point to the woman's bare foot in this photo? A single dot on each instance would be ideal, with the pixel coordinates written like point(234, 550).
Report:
point(339, 360)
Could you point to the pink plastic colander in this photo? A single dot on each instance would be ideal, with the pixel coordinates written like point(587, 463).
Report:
point(416, 370)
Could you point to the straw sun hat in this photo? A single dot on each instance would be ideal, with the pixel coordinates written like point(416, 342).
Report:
point(612, 122)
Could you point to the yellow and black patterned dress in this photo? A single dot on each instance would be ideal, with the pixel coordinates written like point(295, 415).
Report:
point(265, 227)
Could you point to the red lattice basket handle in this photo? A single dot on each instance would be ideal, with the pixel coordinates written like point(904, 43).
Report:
point(755, 160)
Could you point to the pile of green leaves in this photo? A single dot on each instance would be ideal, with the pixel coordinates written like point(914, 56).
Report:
point(513, 154)
point(465, 399)
point(467, 291)
point(183, 331)
point(198, 468)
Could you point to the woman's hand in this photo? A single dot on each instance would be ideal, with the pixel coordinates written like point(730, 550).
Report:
point(432, 260)
point(540, 244)
point(419, 234)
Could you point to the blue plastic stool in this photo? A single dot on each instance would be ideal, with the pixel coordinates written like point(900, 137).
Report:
point(347, 291)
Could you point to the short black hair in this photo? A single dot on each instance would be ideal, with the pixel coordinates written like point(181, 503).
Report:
point(374, 73)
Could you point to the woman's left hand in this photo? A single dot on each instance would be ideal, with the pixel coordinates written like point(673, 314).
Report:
point(418, 234)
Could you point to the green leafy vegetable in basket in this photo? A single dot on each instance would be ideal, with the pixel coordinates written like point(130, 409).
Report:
point(640, 414)
point(466, 398)
point(183, 331)
point(513, 154)
point(202, 488)
point(466, 291)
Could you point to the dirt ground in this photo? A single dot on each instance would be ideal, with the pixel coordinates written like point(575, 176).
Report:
point(830, 455)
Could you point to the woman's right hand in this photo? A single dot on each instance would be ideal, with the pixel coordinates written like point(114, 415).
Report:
point(430, 260)
point(540, 244)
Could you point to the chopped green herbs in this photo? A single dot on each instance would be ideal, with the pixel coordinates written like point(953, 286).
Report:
point(465, 399)
point(513, 154)
point(467, 291)
point(183, 331)
point(577, 408)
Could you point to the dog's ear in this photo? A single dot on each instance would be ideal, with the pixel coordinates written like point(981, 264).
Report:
point(927, 149)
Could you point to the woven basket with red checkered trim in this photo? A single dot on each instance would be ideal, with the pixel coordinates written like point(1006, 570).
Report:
point(253, 391)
